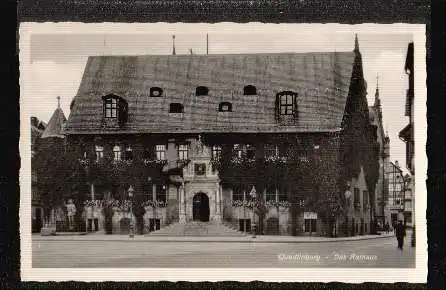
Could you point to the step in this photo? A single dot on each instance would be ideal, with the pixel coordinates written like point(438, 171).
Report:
point(197, 229)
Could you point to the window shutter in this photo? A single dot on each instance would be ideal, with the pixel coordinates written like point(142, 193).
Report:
point(123, 111)
point(295, 113)
point(278, 108)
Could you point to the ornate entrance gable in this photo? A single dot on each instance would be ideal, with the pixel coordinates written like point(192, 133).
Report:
point(202, 198)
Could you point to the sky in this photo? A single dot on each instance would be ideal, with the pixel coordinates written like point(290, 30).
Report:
point(57, 60)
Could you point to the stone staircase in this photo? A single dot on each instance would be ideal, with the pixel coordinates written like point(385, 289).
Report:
point(196, 228)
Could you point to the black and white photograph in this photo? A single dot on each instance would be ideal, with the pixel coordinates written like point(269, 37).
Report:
point(237, 151)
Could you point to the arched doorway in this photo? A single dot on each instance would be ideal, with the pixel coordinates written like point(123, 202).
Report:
point(201, 207)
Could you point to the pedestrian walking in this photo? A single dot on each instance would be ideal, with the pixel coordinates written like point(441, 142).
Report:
point(89, 216)
point(387, 227)
point(71, 212)
point(400, 232)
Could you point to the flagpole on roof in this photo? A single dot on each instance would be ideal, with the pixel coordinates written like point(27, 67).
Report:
point(207, 43)
point(103, 45)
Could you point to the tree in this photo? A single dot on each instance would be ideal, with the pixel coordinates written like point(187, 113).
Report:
point(59, 173)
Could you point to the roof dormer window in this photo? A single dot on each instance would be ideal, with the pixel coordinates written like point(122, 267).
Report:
point(176, 108)
point(286, 103)
point(202, 91)
point(115, 108)
point(110, 107)
point(156, 92)
point(249, 90)
point(225, 107)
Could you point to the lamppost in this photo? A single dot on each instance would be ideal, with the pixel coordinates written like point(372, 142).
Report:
point(131, 226)
point(348, 195)
point(253, 194)
point(254, 221)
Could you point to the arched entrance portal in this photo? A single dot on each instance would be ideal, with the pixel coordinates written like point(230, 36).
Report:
point(201, 207)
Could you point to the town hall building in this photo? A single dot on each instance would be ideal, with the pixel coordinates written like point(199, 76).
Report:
point(237, 140)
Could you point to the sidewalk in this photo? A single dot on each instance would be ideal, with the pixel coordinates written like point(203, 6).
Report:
point(244, 239)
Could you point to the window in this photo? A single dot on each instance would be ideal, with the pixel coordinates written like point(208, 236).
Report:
point(128, 154)
point(357, 200)
point(287, 103)
point(183, 152)
point(238, 150)
point(216, 152)
point(161, 192)
point(156, 92)
point(200, 169)
point(408, 193)
point(244, 150)
point(237, 192)
point(249, 90)
point(99, 153)
point(225, 107)
point(116, 153)
point(201, 91)
point(365, 199)
point(250, 152)
point(176, 108)
point(115, 108)
point(270, 192)
point(283, 192)
point(160, 152)
point(271, 150)
point(303, 157)
point(111, 107)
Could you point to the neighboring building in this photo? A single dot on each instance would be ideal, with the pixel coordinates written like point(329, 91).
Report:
point(199, 132)
point(382, 186)
point(407, 134)
point(409, 201)
point(396, 192)
point(51, 140)
point(37, 128)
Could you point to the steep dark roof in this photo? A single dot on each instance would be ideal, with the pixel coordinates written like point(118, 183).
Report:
point(55, 125)
point(314, 76)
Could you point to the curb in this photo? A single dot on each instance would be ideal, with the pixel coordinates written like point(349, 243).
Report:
point(207, 240)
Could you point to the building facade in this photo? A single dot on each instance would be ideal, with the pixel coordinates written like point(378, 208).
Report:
point(37, 128)
point(265, 139)
point(396, 192)
point(407, 134)
point(382, 185)
point(409, 201)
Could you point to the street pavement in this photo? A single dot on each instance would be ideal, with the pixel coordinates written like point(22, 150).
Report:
point(140, 253)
